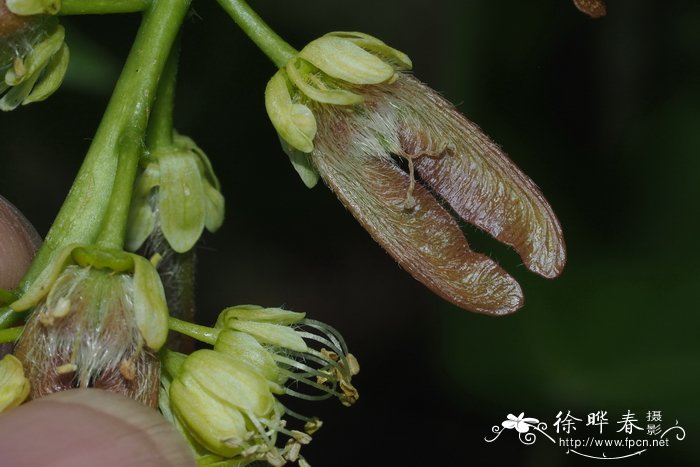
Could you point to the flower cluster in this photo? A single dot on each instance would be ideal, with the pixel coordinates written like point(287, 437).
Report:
point(224, 399)
point(395, 152)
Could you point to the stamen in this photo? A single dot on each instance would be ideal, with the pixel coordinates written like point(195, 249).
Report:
point(67, 368)
point(291, 451)
point(62, 308)
point(127, 369)
point(319, 339)
point(328, 330)
point(313, 425)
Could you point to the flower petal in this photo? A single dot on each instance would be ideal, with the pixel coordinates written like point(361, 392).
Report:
point(43, 283)
point(52, 78)
point(302, 165)
point(14, 386)
point(342, 59)
point(215, 210)
point(315, 87)
point(38, 58)
point(17, 94)
point(182, 199)
point(425, 240)
point(280, 109)
point(477, 179)
point(208, 419)
point(150, 307)
point(272, 334)
point(258, 314)
point(142, 219)
point(398, 59)
point(522, 427)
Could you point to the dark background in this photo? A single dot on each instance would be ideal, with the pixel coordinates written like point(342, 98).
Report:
point(603, 114)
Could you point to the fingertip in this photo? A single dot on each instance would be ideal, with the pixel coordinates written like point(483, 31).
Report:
point(90, 427)
point(18, 243)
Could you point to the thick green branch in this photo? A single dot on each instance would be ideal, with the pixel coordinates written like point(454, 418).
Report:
point(264, 37)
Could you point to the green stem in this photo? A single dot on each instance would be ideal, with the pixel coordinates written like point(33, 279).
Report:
point(84, 211)
point(6, 296)
point(195, 331)
point(99, 7)
point(113, 229)
point(259, 32)
point(11, 334)
point(160, 125)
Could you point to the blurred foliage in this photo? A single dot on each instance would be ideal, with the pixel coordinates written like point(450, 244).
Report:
point(602, 114)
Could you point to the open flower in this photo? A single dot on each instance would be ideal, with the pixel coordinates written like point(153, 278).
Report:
point(225, 400)
point(395, 153)
point(178, 194)
point(100, 318)
point(33, 56)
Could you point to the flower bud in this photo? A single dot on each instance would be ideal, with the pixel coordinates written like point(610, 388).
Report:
point(100, 317)
point(223, 403)
point(14, 387)
point(179, 193)
point(245, 348)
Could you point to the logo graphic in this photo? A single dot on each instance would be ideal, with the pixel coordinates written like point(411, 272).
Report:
point(630, 439)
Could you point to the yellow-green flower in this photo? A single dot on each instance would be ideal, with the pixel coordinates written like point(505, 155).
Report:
point(33, 55)
point(14, 386)
point(225, 400)
point(309, 353)
point(178, 193)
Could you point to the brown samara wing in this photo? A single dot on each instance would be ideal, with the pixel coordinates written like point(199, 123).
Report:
point(593, 8)
point(425, 240)
point(471, 173)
